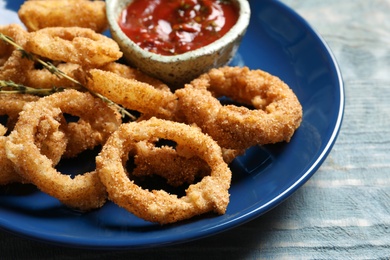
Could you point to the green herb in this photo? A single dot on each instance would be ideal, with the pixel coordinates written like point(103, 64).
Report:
point(54, 70)
point(10, 87)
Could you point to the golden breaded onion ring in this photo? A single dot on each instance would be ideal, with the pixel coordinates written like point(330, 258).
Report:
point(210, 194)
point(13, 66)
point(133, 94)
point(176, 167)
point(7, 172)
point(168, 163)
point(73, 44)
point(37, 15)
point(18, 35)
point(43, 78)
point(10, 106)
point(276, 115)
point(128, 72)
point(84, 191)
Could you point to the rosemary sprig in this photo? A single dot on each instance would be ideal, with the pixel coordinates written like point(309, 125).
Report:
point(54, 70)
point(10, 87)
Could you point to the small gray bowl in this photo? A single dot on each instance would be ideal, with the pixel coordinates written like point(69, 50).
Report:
point(179, 69)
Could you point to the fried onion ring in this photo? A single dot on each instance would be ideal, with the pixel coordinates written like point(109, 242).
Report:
point(133, 73)
point(7, 172)
point(10, 106)
point(73, 44)
point(176, 167)
point(133, 94)
point(166, 162)
point(210, 194)
point(51, 141)
point(37, 15)
point(42, 78)
point(276, 116)
point(13, 66)
point(84, 191)
point(16, 32)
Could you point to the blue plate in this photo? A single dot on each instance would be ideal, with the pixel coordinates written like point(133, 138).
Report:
point(278, 41)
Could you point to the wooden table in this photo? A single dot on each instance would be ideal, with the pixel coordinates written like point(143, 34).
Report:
point(343, 211)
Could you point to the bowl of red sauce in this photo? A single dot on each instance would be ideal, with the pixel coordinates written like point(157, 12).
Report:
point(177, 40)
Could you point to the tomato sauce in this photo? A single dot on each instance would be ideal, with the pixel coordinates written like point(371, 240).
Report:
point(171, 27)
